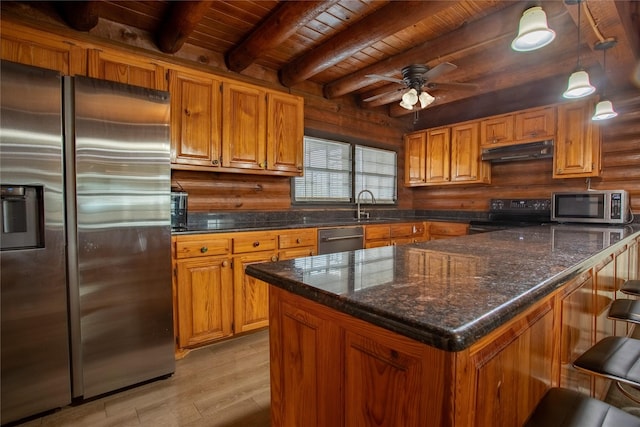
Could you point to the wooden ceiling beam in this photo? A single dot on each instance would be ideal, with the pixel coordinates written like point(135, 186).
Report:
point(181, 19)
point(80, 15)
point(467, 38)
point(388, 20)
point(284, 22)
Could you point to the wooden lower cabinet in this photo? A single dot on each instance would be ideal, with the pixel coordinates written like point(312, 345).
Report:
point(250, 296)
point(446, 230)
point(205, 300)
point(213, 298)
point(394, 234)
point(328, 368)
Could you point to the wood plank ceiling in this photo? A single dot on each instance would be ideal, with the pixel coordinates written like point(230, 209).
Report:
point(335, 44)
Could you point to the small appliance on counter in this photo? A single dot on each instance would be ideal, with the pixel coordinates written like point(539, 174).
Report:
point(178, 210)
point(591, 206)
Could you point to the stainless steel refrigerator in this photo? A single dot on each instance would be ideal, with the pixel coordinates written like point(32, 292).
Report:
point(85, 264)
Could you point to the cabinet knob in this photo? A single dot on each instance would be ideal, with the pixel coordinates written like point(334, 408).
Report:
point(204, 249)
point(274, 258)
point(298, 240)
point(187, 112)
point(215, 162)
point(225, 263)
point(256, 244)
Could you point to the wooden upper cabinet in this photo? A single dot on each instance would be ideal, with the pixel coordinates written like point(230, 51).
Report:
point(496, 131)
point(438, 155)
point(577, 148)
point(195, 118)
point(44, 50)
point(466, 165)
point(126, 68)
point(243, 126)
point(415, 145)
point(535, 125)
point(285, 132)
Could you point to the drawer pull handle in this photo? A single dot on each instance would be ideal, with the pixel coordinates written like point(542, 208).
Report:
point(256, 244)
point(204, 249)
point(298, 240)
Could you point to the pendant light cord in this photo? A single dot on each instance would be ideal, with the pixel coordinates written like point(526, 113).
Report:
point(579, 7)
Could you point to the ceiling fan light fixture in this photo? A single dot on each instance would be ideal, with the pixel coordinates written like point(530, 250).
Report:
point(604, 111)
point(579, 85)
point(425, 99)
point(533, 32)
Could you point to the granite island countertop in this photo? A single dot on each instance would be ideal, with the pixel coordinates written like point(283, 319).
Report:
point(448, 293)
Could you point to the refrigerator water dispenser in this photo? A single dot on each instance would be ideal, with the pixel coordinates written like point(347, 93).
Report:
point(21, 212)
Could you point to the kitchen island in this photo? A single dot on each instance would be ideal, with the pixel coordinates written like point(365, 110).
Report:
point(462, 332)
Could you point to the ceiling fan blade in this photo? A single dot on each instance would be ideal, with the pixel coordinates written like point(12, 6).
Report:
point(439, 70)
point(451, 86)
point(389, 79)
point(374, 97)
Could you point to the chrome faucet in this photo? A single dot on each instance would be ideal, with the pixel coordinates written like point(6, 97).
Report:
point(362, 213)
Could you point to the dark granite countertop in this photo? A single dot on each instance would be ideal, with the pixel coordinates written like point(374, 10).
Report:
point(237, 226)
point(447, 293)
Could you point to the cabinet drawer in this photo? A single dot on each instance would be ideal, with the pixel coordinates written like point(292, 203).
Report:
point(407, 230)
point(297, 253)
point(448, 228)
point(374, 232)
point(298, 238)
point(254, 243)
point(205, 246)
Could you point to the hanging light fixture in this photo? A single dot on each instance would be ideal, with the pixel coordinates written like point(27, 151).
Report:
point(411, 98)
point(579, 85)
point(604, 109)
point(533, 32)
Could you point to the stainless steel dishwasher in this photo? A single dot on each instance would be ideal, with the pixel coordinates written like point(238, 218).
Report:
point(340, 239)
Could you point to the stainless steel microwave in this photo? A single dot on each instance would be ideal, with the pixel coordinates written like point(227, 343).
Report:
point(594, 206)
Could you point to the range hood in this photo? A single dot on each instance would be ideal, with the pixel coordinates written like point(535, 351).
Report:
point(529, 151)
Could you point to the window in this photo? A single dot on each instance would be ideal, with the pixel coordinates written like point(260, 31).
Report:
point(335, 172)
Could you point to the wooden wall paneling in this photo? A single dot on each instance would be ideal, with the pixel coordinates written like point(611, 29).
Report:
point(210, 191)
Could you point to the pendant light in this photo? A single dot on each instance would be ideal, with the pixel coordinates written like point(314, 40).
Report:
point(604, 109)
point(579, 85)
point(533, 32)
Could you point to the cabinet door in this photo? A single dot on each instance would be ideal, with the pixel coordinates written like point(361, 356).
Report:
point(465, 153)
point(30, 47)
point(438, 156)
point(415, 146)
point(536, 124)
point(386, 383)
point(195, 119)
point(205, 300)
point(496, 131)
point(251, 296)
point(243, 130)
point(577, 146)
point(126, 69)
point(285, 133)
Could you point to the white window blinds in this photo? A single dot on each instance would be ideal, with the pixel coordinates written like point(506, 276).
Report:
point(376, 171)
point(327, 172)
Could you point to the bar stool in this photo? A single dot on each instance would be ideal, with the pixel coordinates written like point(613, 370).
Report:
point(627, 310)
point(616, 358)
point(631, 287)
point(562, 407)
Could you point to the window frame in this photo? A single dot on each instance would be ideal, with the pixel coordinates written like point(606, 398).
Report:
point(352, 199)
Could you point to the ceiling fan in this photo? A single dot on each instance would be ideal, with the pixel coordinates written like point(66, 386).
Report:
point(416, 78)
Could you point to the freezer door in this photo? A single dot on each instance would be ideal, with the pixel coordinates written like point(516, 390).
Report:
point(123, 189)
point(33, 294)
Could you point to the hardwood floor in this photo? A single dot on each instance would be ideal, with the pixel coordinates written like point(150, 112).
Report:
point(223, 385)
